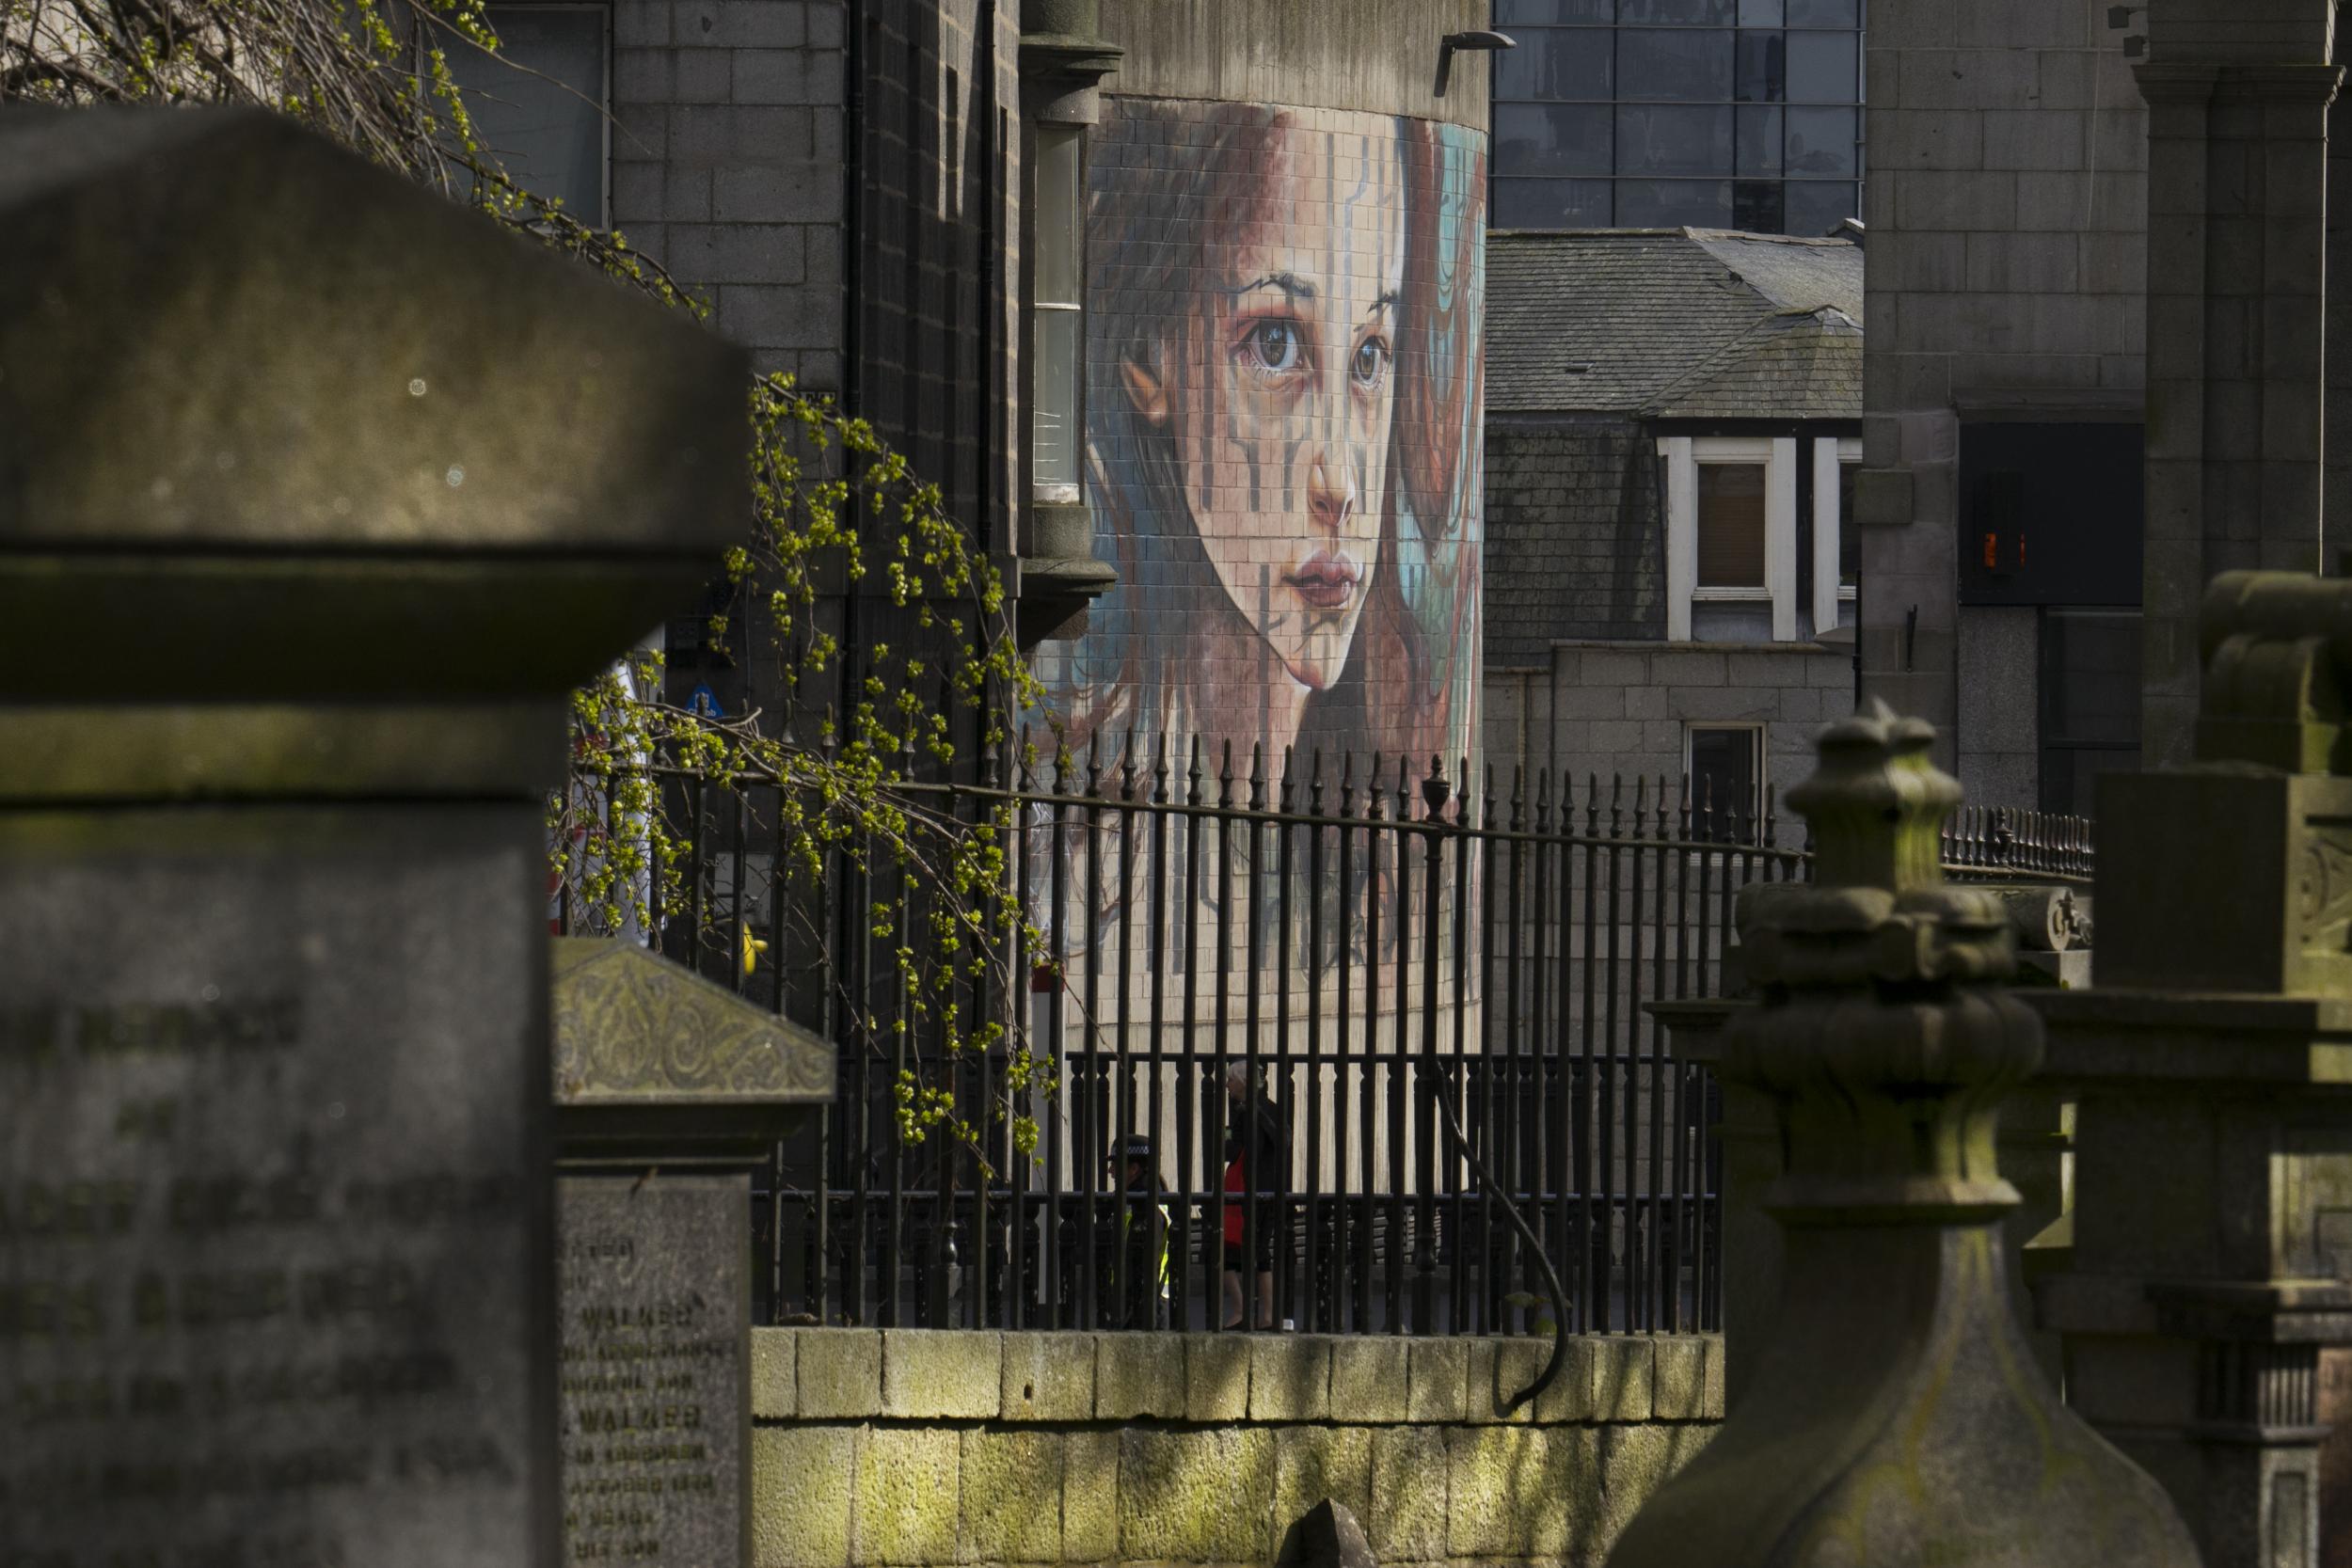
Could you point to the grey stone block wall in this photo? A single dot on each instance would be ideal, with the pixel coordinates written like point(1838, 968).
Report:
point(727, 166)
point(732, 159)
point(1999, 656)
point(916, 1448)
point(1608, 709)
point(2007, 209)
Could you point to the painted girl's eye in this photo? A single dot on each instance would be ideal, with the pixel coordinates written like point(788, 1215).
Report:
point(1273, 346)
point(1372, 362)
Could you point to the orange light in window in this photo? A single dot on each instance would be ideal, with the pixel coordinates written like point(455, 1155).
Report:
point(1992, 552)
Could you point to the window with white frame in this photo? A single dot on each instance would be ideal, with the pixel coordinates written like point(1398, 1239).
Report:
point(1837, 546)
point(1724, 765)
point(1731, 537)
point(1058, 319)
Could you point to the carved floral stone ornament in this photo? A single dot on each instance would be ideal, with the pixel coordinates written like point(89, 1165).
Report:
point(1898, 1416)
point(631, 1026)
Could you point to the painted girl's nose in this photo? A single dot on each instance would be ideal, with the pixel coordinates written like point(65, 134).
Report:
point(1330, 495)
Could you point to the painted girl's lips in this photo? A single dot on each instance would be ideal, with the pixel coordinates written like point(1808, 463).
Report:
point(1326, 581)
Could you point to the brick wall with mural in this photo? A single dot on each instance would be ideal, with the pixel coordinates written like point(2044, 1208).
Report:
point(1283, 432)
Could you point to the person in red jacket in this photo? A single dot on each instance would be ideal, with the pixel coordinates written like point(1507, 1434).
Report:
point(1257, 1161)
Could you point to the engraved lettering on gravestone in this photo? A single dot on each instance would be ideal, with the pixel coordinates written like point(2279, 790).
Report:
point(243, 1318)
point(654, 1290)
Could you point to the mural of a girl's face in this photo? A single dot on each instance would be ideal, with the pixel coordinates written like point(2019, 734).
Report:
point(1280, 393)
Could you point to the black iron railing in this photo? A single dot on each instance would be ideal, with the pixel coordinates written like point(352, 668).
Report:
point(1317, 971)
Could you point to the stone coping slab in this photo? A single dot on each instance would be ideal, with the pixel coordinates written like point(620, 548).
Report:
point(1076, 1379)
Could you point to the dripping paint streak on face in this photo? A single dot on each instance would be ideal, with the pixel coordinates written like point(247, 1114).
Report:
point(1282, 414)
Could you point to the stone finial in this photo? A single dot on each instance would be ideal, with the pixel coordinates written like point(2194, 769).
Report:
point(2278, 654)
point(1878, 909)
point(1896, 1415)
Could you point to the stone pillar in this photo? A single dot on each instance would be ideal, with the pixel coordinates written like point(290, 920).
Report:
point(318, 493)
point(1896, 1416)
point(2237, 181)
point(2213, 1175)
point(669, 1094)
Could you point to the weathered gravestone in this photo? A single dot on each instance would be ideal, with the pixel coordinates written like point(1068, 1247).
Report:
point(316, 494)
point(669, 1091)
point(2211, 1273)
point(1895, 1415)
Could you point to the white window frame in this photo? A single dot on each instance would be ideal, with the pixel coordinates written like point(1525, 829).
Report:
point(1071, 246)
point(1830, 597)
point(1683, 454)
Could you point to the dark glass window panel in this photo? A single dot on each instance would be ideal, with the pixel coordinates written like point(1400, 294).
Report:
point(1759, 77)
point(1825, 13)
point(1817, 206)
point(548, 128)
point(1759, 13)
point(1692, 13)
point(1546, 12)
point(1673, 138)
point(1821, 141)
point(1756, 144)
point(1731, 525)
point(1674, 203)
point(1553, 63)
point(1725, 766)
point(1551, 139)
point(1551, 204)
point(1821, 68)
point(1756, 205)
point(1678, 65)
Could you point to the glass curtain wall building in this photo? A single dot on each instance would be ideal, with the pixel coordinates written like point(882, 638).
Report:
point(1719, 114)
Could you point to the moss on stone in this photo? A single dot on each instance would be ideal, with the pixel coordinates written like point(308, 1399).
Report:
point(801, 1490)
point(1289, 1377)
point(1408, 1494)
point(1012, 1497)
point(1313, 1462)
point(1195, 1496)
point(907, 1495)
point(1436, 1379)
point(840, 1373)
point(1089, 1496)
point(1216, 1377)
point(1369, 1379)
point(1138, 1374)
point(1502, 1498)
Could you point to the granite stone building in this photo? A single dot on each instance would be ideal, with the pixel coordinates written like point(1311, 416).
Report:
point(1673, 427)
point(2000, 501)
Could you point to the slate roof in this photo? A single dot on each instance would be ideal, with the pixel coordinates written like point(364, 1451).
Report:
point(1612, 321)
point(1792, 365)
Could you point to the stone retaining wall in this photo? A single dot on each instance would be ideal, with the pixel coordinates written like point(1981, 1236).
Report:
point(920, 1447)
